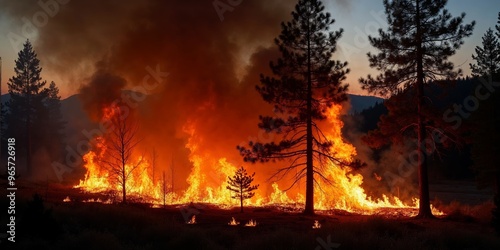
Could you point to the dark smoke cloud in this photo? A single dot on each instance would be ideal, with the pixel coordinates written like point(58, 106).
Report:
point(102, 47)
point(102, 89)
point(392, 173)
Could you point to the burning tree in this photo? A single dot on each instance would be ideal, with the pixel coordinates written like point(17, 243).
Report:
point(306, 83)
point(240, 183)
point(121, 141)
point(420, 38)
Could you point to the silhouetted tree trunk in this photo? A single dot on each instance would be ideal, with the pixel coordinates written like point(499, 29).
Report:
point(309, 209)
point(424, 206)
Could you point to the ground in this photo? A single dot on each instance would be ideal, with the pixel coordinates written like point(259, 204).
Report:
point(79, 225)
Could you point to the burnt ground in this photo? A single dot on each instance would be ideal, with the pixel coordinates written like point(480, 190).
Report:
point(53, 224)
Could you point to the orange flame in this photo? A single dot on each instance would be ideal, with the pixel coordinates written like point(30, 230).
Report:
point(98, 200)
point(209, 174)
point(251, 223)
point(233, 222)
point(316, 225)
point(192, 220)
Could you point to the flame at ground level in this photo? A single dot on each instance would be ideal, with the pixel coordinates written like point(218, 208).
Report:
point(233, 222)
point(251, 223)
point(207, 180)
point(316, 225)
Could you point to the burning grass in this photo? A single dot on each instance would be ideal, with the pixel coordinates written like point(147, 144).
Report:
point(210, 171)
point(136, 226)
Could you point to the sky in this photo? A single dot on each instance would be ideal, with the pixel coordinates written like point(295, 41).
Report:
point(358, 18)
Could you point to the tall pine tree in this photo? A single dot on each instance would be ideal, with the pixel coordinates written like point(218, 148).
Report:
point(306, 82)
point(487, 57)
point(27, 95)
point(421, 36)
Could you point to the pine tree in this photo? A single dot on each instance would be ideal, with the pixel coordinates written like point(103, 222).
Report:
point(53, 121)
point(27, 95)
point(241, 185)
point(421, 36)
point(487, 57)
point(305, 83)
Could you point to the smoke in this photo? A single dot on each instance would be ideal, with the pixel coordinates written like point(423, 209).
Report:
point(102, 89)
point(103, 47)
point(389, 171)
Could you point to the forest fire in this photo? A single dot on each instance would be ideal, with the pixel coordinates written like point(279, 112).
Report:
point(318, 124)
point(208, 176)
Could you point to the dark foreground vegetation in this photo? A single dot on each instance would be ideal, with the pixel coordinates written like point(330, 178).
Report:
point(48, 223)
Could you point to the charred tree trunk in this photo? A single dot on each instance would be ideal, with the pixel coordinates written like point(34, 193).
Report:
point(309, 209)
point(424, 205)
point(124, 171)
point(124, 190)
point(241, 199)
